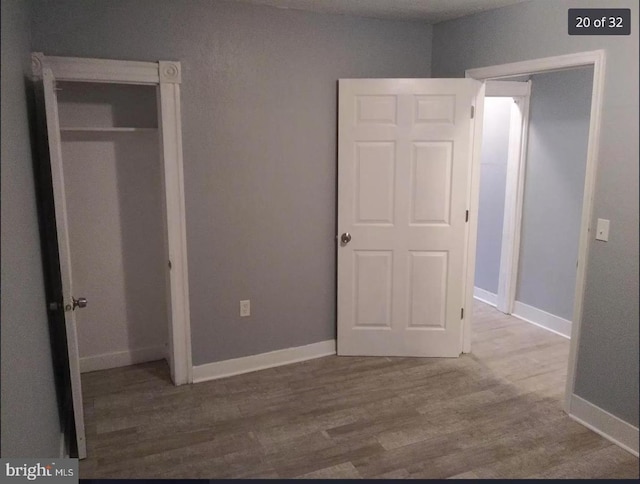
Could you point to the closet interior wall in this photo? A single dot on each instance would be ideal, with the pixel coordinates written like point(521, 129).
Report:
point(114, 196)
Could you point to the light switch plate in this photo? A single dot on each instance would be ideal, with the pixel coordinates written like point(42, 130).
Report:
point(602, 230)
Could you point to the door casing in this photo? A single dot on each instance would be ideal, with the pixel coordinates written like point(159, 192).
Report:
point(595, 59)
point(166, 76)
point(520, 92)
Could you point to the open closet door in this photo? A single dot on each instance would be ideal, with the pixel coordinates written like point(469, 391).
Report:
point(404, 176)
point(61, 304)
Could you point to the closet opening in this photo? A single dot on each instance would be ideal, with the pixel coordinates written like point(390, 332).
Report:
point(115, 214)
point(112, 221)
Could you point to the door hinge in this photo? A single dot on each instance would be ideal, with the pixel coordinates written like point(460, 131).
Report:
point(461, 313)
point(473, 111)
point(169, 265)
point(466, 217)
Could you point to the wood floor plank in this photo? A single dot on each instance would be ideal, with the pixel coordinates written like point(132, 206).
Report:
point(340, 471)
point(608, 462)
point(495, 413)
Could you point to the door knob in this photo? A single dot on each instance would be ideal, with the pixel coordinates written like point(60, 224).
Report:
point(345, 238)
point(81, 302)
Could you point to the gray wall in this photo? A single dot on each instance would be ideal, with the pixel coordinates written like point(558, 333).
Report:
point(607, 371)
point(493, 182)
point(259, 131)
point(30, 425)
point(553, 189)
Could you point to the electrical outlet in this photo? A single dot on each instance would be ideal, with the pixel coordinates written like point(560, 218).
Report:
point(245, 308)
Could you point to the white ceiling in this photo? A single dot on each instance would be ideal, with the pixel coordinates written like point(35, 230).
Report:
point(431, 11)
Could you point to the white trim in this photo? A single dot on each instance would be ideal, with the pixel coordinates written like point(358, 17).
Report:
point(167, 75)
point(514, 196)
point(471, 234)
point(173, 177)
point(602, 422)
point(485, 296)
point(508, 88)
point(543, 319)
point(597, 59)
point(535, 66)
point(170, 71)
point(593, 149)
point(96, 70)
point(511, 283)
point(237, 366)
point(122, 358)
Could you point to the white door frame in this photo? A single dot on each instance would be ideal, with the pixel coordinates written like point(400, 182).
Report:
point(514, 192)
point(167, 77)
point(595, 59)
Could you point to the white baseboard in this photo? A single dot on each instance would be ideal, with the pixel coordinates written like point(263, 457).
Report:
point(541, 318)
point(485, 296)
point(236, 366)
point(122, 358)
point(602, 422)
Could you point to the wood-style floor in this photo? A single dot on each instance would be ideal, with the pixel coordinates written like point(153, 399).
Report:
point(495, 413)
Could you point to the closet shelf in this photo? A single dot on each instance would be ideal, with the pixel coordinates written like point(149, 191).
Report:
point(105, 129)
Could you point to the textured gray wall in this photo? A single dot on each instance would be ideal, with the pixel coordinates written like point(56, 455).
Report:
point(607, 371)
point(30, 425)
point(554, 189)
point(493, 182)
point(259, 131)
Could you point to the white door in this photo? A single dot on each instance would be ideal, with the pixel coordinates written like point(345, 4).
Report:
point(69, 303)
point(404, 169)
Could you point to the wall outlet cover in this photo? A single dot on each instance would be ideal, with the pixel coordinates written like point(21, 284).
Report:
point(245, 308)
